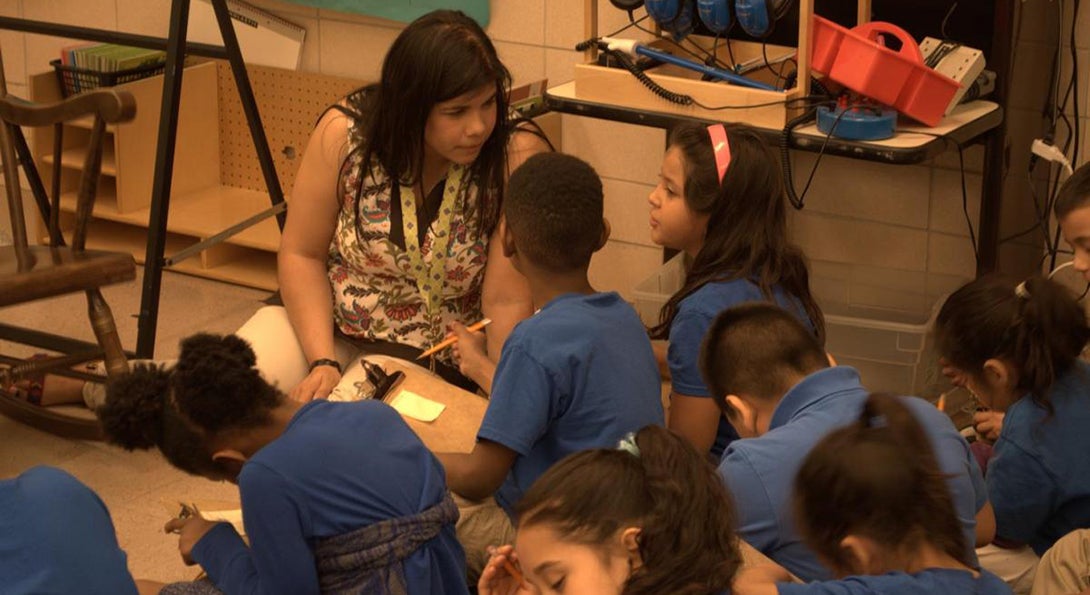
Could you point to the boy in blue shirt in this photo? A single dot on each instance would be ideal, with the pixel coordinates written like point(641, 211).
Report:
point(56, 537)
point(580, 372)
point(782, 396)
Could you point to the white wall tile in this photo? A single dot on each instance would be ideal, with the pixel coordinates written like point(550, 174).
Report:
point(1082, 37)
point(864, 190)
point(13, 45)
point(621, 151)
point(521, 21)
point(947, 210)
point(144, 17)
point(560, 65)
point(619, 266)
point(1084, 74)
point(1031, 70)
point(11, 8)
point(564, 23)
point(353, 49)
point(973, 154)
point(627, 210)
point(1039, 21)
point(950, 255)
point(837, 239)
point(526, 62)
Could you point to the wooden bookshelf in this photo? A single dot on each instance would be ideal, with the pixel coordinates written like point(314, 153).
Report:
point(200, 207)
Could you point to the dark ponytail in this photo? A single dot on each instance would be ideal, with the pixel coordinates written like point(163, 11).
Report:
point(138, 414)
point(687, 540)
point(213, 387)
point(217, 386)
point(1037, 326)
point(880, 478)
point(747, 225)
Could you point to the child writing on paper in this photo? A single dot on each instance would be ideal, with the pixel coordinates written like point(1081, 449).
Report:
point(776, 385)
point(871, 502)
point(578, 374)
point(649, 517)
point(720, 199)
point(325, 507)
point(1016, 346)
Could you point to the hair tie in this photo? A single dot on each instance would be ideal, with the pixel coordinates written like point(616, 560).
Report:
point(721, 148)
point(628, 444)
point(1021, 291)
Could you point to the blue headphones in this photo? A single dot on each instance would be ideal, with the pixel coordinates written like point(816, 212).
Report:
point(673, 16)
point(715, 14)
point(758, 16)
point(755, 16)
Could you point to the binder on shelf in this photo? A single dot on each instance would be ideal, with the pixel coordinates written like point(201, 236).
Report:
point(264, 38)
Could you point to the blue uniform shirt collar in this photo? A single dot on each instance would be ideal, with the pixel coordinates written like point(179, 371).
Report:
point(815, 387)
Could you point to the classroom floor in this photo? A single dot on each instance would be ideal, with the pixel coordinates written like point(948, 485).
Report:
point(133, 485)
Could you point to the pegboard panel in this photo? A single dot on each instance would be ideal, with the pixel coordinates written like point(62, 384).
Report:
point(290, 103)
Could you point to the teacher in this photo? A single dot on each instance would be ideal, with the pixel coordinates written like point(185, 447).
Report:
point(388, 235)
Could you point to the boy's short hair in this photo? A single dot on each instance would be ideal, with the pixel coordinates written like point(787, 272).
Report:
point(1075, 193)
point(759, 350)
point(553, 207)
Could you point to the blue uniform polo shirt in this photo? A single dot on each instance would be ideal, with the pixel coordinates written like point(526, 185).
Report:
point(760, 472)
point(1039, 480)
point(694, 317)
point(576, 375)
point(56, 536)
point(932, 581)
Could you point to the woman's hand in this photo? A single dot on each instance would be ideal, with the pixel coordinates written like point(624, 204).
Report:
point(317, 385)
point(470, 353)
point(988, 424)
point(190, 530)
point(497, 579)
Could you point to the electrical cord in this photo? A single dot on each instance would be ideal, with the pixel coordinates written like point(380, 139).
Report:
point(964, 188)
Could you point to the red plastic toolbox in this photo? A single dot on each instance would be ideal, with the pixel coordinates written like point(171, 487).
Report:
point(857, 59)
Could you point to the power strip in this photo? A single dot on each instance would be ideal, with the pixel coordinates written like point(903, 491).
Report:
point(963, 64)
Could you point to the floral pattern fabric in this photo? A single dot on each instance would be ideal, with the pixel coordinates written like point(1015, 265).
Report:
point(374, 291)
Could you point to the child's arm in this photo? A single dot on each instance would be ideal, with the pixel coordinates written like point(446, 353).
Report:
point(696, 419)
point(470, 355)
point(660, 349)
point(477, 475)
point(985, 525)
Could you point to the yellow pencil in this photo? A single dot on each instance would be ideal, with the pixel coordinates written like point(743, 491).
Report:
point(941, 405)
point(451, 341)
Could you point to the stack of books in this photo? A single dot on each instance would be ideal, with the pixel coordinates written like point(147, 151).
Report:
point(107, 57)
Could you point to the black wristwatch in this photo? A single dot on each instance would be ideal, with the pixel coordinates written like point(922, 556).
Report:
point(325, 361)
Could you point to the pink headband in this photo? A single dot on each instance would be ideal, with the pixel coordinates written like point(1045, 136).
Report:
point(721, 147)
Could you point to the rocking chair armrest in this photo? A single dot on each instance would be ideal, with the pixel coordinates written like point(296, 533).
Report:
point(112, 105)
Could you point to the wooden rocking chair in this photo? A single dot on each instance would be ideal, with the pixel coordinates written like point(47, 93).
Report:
point(32, 272)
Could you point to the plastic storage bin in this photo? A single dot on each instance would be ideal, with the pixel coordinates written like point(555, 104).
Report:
point(652, 293)
point(877, 320)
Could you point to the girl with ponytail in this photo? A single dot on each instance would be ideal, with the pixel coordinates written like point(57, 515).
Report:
point(647, 518)
point(871, 501)
point(373, 517)
point(1016, 346)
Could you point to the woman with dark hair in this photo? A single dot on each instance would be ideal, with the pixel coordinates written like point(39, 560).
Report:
point(373, 516)
point(387, 242)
